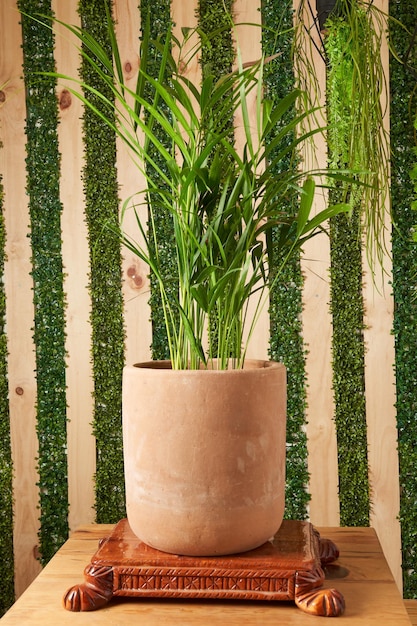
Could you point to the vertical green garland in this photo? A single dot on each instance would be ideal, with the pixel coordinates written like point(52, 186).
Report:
point(6, 468)
point(159, 14)
point(102, 207)
point(217, 56)
point(286, 342)
point(349, 369)
point(346, 284)
point(218, 52)
point(43, 174)
point(404, 252)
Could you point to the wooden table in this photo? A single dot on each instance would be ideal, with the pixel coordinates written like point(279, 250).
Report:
point(361, 574)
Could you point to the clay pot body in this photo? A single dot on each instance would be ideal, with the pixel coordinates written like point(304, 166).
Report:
point(204, 455)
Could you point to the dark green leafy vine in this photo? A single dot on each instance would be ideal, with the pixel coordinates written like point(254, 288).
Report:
point(45, 233)
point(6, 468)
point(286, 342)
point(404, 251)
point(102, 208)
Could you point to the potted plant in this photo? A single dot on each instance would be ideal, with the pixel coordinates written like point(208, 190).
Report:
point(204, 433)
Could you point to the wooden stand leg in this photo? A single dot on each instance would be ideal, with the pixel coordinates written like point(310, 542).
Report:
point(310, 597)
point(94, 593)
point(329, 552)
point(321, 602)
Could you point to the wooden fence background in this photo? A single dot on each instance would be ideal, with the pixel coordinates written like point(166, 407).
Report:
point(322, 461)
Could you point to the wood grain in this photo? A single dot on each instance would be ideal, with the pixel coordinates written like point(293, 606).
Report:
point(18, 287)
point(135, 272)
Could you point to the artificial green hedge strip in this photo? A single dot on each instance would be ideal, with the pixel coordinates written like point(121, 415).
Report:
point(404, 251)
point(217, 56)
point(286, 342)
point(43, 174)
point(218, 52)
point(159, 14)
point(347, 306)
point(102, 211)
point(6, 468)
point(348, 370)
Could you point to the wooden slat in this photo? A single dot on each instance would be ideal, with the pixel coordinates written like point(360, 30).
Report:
point(248, 37)
point(135, 272)
point(381, 423)
point(383, 458)
point(18, 286)
point(81, 443)
point(380, 394)
point(321, 435)
point(317, 331)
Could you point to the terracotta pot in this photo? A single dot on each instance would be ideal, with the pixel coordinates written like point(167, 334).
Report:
point(204, 456)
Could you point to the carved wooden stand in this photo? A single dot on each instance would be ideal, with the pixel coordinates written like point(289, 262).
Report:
point(289, 567)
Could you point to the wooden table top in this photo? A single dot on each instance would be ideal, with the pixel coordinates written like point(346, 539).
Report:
point(361, 574)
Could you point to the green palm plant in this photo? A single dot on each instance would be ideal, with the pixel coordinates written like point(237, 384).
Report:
point(222, 200)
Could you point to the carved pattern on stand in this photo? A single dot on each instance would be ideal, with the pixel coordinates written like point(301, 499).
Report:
point(204, 583)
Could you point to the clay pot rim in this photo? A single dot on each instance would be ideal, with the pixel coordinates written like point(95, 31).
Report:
point(250, 365)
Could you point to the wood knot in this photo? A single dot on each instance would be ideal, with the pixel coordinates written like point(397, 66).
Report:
point(2, 96)
point(65, 99)
point(19, 391)
point(36, 553)
point(136, 280)
point(130, 68)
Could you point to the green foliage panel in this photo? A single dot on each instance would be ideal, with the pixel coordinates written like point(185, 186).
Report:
point(218, 52)
point(403, 142)
point(346, 286)
point(43, 173)
point(6, 468)
point(102, 216)
point(286, 342)
point(348, 370)
point(217, 56)
point(159, 14)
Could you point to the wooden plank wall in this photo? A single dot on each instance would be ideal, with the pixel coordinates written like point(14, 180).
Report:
point(18, 285)
point(316, 320)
